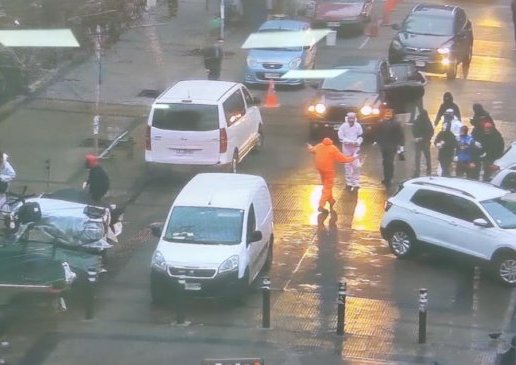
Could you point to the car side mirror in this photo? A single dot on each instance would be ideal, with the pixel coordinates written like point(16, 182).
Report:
point(157, 229)
point(255, 237)
point(481, 222)
point(396, 26)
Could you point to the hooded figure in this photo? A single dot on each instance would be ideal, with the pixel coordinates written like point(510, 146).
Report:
point(492, 147)
point(391, 139)
point(326, 156)
point(447, 104)
point(446, 142)
point(454, 124)
point(98, 181)
point(423, 131)
point(350, 135)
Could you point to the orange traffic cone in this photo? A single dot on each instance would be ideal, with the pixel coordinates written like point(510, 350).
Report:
point(271, 99)
point(388, 7)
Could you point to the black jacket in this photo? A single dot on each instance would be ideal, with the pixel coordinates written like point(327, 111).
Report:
point(390, 134)
point(98, 182)
point(492, 145)
point(422, 128)
point(444, 107)
point(449, 146)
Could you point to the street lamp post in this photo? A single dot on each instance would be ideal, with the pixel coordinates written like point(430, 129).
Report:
point(222, 16)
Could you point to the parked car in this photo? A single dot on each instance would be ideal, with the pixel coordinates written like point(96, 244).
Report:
point(366, 84)
point(342, 14)
point(507, 160)
point(436, 37)
point(506, 178)
point(265, 64)
point(463, 216)
point(217, 238)
point(203, 124)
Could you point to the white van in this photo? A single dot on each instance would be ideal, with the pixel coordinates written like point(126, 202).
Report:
point(217, 238)
point(203, 123)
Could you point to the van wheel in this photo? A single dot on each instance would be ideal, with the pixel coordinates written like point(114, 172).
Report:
point(259, 141)
point(233, 167)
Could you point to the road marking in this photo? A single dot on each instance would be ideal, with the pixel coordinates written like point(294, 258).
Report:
point(285, 288)
point(364, 42)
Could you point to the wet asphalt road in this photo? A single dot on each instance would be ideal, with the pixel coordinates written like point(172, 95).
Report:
point(311, 255)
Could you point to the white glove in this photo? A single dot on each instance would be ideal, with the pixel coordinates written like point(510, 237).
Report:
point(84, 185)
point(401, 149)
point(455, 158)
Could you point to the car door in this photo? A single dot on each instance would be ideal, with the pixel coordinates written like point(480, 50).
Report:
point(464, 236)
point(254, 117)
point(237, 122)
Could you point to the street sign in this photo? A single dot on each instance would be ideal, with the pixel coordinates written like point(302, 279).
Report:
point(38, 38)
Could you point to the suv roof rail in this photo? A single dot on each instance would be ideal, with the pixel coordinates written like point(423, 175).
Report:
point(444, 187)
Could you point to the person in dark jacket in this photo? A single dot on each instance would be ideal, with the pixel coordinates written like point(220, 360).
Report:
point(492, 147)
point(422, 130)
point(391, 139)
point(447, 103)
point(480, 115)
point(98, 181)
point(213, 60)
point(446, 142)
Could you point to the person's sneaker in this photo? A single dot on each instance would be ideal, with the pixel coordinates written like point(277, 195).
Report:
point(323, 210)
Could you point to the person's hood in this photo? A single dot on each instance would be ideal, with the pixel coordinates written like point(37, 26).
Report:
point(448, 97)
point(338, 11)
point(478, 109)
point(327, 141)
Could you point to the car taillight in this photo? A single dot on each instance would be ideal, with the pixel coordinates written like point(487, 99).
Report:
point(223, 138)
point(147, 138)
point(387, 206)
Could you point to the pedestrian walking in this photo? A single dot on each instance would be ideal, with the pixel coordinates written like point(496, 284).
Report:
point(350, 136)
point(98, 180)
point(326, 156)
point(465, 154)
point(391, 139)
point(447, 103)
point(7, 174)
point(446, 142)
point(422, 131)
point(213, 60)
point(492, 148)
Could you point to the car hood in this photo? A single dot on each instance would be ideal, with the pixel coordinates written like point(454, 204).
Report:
point(345, 99)
point(338, 11)
point(264, 56)
point(196, 255)
point(422, 41)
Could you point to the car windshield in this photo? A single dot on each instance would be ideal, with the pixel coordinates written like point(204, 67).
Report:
point(502, 210)
point(428, 25)
point(205, 225)
point(281, 49)
point(185, 117)
point(352, 81)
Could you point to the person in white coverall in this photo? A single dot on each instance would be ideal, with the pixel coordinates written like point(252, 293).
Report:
point(350, 135)
point(7, 174)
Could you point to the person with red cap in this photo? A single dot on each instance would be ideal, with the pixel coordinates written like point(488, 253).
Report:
point(326, 155)
point(98, 181)
point(492, 148)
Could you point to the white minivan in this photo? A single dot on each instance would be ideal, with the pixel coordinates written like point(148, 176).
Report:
point(217, 238)
point(203, 123)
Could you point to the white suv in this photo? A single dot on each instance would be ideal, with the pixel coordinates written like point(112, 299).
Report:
point(468, 217)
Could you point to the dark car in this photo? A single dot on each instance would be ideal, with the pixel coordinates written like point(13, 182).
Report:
point(366, 84)
point(437, 38)
point(342, 14)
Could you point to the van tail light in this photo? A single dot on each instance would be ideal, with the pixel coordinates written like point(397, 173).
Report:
point(147, 138)
point(387, 206)
point(223, 138)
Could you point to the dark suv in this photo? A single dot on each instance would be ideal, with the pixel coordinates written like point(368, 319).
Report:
point(437, 38)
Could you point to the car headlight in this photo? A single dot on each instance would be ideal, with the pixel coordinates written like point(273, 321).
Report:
point(251, 62)
point(376, 111)
point(230, 264)
point(295, 63)
point(158, 261)
point(396, 45)
point(443, 50)
point(366, 110)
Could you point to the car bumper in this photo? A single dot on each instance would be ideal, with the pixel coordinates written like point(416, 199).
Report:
point(186, 168)
point(222, 285)
point(349, 22)
point(264, 77)
point(432, 64)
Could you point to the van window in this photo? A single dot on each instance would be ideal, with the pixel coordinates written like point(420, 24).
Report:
point(185, 117)
point(234, 107)
point(205, 225)
point(251, 221)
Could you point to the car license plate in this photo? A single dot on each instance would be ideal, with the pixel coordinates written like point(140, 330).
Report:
point(183, 152)
point(420, 63)
point(333, 24)
point(193, 286)
point(272, 76)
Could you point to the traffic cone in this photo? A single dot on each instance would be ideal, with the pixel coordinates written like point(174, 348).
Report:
point(388, 7)
point(271, 99)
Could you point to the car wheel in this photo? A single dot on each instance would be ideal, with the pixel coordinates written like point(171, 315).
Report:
point(402, 241)
point(233, 166)
point(270, 255)
point(505, 268)
point(259, 141)
point(451, 74)
point(158, 292)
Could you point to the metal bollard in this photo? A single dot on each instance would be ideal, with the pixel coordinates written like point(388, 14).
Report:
point(266, 303)
point(423, 304)
point(341, 308)
point(180, 305)
point(90, 293)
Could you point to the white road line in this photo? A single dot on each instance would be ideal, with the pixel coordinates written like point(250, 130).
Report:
point(285, 288)
point(364, 43)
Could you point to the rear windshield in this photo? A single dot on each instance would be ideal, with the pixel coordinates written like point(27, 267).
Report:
point(185, 117)
point(205, 225)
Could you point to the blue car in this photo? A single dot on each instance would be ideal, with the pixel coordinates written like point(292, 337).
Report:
point(264, 64)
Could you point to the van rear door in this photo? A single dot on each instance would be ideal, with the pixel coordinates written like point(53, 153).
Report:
point(185, 133)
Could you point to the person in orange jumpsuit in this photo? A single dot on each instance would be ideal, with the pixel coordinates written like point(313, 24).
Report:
point(326, 155)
